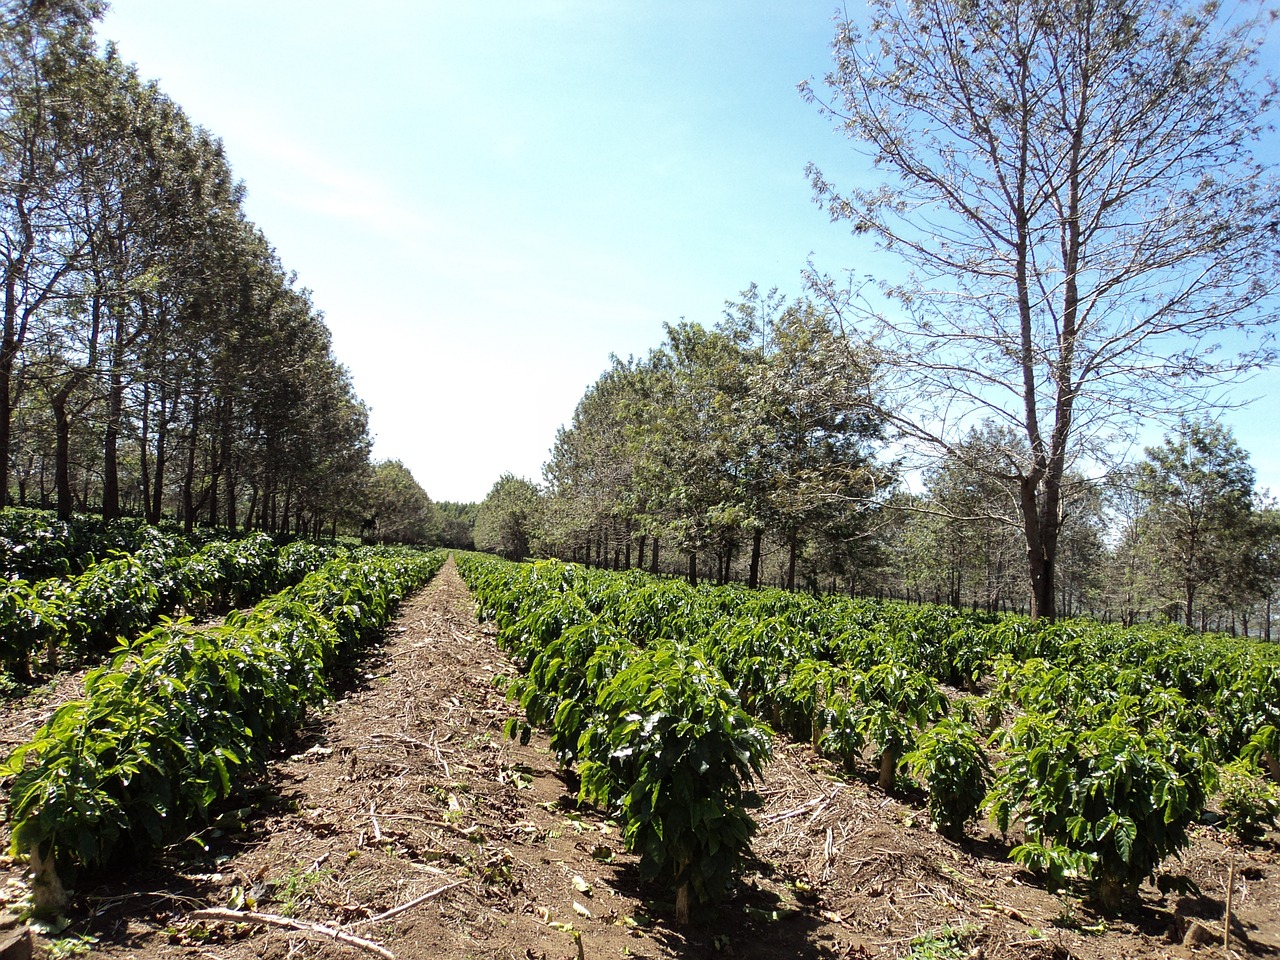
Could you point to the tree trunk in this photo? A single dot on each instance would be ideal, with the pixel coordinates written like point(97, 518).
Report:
point(189, 481)
point(1041, 546)
point(250, 510)
point(693, 568)
point(111, 448)
point(888, 769)
point(230, 495)
point(62, 421)
point(753, 578)
point(49, 897)
point(653, 559)
point(8, 352)
point(62, 454)
point(215, 476)
point(6, 418)
point(156, 508)
point(115, 414)
point(144, 451)
point(793, 546)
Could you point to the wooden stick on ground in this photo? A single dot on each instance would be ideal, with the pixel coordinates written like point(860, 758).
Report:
point(300, 926)
point(396, 911)
point(1231, 889)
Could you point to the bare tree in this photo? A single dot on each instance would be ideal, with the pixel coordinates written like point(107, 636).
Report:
point(1072, 183)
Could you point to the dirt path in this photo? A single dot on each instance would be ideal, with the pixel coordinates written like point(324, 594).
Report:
point(404, 819)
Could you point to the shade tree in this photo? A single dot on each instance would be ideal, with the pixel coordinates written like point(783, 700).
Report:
point(1088, 234)
point(156, 356)
point(401, 510)
point(757, 430)
point(508, 520)
point(1198, 518)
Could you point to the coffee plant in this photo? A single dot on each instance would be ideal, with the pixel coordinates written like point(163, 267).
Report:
point(1126, 723)
point(168, 727)
point(1102, 794)
point(669, 750)
point(949, 758)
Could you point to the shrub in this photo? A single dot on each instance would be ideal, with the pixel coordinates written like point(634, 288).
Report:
point(949, 758)
point(672, 752)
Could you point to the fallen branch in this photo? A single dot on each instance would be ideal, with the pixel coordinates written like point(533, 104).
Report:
point(787, 815)
point(396, 911)
point(401, 737)
point(468, 832)
point(1226, 920)
point(299, 926)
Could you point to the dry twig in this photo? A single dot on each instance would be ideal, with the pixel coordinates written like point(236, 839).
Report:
point(298, 926)
point(1231, 889)
point(396, 911)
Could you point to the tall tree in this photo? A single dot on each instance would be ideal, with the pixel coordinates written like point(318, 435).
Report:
point(1073, 185)
point(805, 425)
point(401, 509)
point(1198, 488)
point(762, 426)
point(457, 520)
point(153, 349)
point(593, 498)
point(973, 494)
point(39, 44)
point(684, 424)
point(508, 520)
point(108, 120)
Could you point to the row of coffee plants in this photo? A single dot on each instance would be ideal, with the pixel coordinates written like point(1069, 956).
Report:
point(1106, 758)
point(1230, 685)
point(656, 732)
point(182, 715)
point(36, 544)
point(119, 597)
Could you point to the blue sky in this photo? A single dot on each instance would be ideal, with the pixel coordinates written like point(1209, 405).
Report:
point(488, 199)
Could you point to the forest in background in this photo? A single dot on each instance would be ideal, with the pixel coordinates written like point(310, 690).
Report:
point(1079, 202)
point(159, 360)
point(754, 452)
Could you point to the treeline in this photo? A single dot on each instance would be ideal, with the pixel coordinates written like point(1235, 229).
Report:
point(761, 430)
point(761, 451)
point(1182, 535)
point(751, 450)
point(157, 358)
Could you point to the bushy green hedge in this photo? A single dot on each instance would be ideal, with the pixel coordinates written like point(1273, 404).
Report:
point(659, 736)
point(169, 726)
point(37, 545)
point(122, 596)
point(1117, 732)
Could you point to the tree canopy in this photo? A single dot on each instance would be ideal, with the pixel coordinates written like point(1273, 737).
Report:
point(1091, 237)
point(155, 356)
point(398, 509)
point(508, 520)
point(761, 427)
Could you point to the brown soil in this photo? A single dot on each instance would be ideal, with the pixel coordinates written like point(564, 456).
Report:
point(403, 821)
